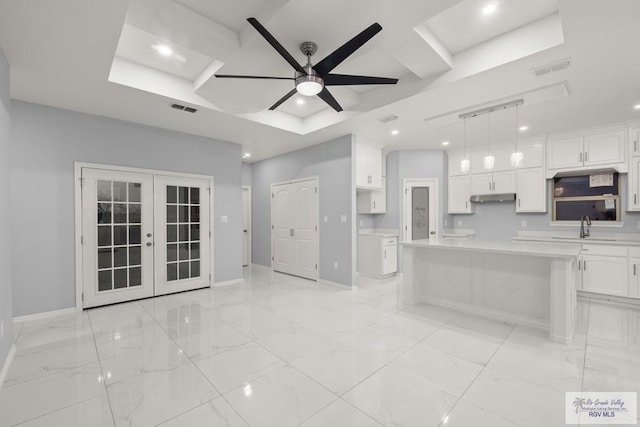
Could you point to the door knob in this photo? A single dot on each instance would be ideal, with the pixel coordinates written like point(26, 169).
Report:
point(433, 232)
point(149, 244)
point(149, 234)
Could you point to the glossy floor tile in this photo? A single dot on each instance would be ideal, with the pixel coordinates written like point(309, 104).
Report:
point(276, 350)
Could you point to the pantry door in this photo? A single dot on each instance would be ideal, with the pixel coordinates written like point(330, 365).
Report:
point(182, 234)
point(117, 236)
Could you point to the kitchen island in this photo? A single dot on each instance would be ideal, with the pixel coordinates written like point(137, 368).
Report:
point(524, 283)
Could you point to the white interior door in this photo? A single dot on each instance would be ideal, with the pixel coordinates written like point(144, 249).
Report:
point(117, 255)
point(281, 228)
point(182, 234)
point(294, 213)
point(420, 209)
point(305, 235)
point(246, 226)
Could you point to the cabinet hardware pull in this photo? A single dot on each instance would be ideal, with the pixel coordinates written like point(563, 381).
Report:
point(374, 204)
point(465, 204)
point(385, 254)
point(585, 156)
point(635, 198)
point(291, 232)
point(579, 265)
point(634, 269)
point(518, 201)
point(369, 179)
point(580, 157)
point(635, 146)
point(584, 265)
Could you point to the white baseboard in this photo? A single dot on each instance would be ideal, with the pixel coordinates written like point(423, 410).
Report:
point(259, 266)
point(329, 282)
point(45, 315)
point(227, 283)
point(6, 364)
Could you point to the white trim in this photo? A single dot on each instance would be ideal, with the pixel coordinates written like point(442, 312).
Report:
point(78, 214)
point(45, 315)
point(250, 226)
point(610, 299)
point(227, 283)
point(259, 266)
point(329, 282)
point(413, 182)
point(7, 364)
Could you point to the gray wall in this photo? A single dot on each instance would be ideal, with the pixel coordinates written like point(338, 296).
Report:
point(6, 312)
point(498, 221)
point(331, 162)
point(246, 174)
point(412, 164)
point(47, 141)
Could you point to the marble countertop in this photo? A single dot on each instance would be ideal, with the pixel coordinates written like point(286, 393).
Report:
point(378, 232)
point(543, 249)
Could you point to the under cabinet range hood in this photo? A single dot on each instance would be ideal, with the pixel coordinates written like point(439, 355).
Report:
point(481, 198)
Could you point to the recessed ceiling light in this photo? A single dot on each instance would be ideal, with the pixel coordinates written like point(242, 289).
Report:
point(163, 49)
point(523, 128)
point(246, 155)
point(394, 132)
point(489, 9)
point(445, 143)
point(300, 101)
point(637, 106)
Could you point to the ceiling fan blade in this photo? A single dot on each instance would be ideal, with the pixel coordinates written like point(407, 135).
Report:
point(329, 99)
point(231, 76)
point(284, 98)
point(276, 45)
point(346, 79)
point(334, 59)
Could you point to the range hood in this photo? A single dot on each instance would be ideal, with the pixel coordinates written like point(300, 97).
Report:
point(504, 197)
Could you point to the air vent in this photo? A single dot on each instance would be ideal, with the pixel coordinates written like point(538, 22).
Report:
point(551, 68)
point(387, 119)
point(184, 108)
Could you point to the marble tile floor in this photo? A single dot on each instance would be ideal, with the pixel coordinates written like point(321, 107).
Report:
point(281, 351)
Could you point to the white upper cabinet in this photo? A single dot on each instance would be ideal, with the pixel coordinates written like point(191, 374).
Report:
point(493, 183)
point(455, 157)
point(592, 150)
point(500, 152)
point(368, 161)
point(532, 153)
point(531, 191)
point(459, 194)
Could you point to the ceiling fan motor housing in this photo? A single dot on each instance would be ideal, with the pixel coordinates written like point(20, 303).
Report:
point(308, 48)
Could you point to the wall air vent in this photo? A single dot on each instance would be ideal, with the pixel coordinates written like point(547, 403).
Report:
point(553, 67)
point(389, 118)
point(184, 108)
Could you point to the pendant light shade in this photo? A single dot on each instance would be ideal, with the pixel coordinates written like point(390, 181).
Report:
point(464, 163)
point(516, 156)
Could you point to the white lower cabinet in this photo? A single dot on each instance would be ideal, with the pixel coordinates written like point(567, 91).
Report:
point(605, 275)
point(377, 255)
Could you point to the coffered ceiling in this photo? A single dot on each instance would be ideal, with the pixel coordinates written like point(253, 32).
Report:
point(106, 58)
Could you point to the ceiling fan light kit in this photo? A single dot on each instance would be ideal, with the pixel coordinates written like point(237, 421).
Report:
point(312, 80)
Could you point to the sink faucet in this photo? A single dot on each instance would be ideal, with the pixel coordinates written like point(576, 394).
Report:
point(584, 233)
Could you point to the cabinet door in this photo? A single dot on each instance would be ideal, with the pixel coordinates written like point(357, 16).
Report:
point(634, 277)
point(634, 141)
point(362, 170)
point(481, 183)
point(532, 154)
point(375, 167)
point(379, 198)
point(603, 149)
point(564, 153)
point(531, 194)
point(504, 182)
point(455, 157)
point(605, 275)
point(389, 259)
point(634, 185)
point(458, 194)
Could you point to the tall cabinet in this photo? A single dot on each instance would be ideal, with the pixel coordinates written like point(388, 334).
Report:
point(459, 188)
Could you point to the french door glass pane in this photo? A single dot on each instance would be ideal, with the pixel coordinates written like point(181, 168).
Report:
point(183, 227)
point(119, 235)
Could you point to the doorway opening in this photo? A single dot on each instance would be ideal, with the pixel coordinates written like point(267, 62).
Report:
point(246, 226)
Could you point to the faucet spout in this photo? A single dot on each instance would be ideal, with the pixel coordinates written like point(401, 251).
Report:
point(584, 233)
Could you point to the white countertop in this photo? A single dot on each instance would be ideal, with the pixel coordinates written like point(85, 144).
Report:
point(543, 249)
point(378, 232)
point(614, 239)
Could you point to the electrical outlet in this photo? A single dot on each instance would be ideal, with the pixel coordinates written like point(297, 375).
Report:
point(335, 265)
point(326, 218)
point(343, 218)
point(224, 219)
point(459, 223)
point(523, 223)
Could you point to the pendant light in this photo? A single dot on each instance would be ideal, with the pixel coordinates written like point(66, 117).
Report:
point(489, 160)
point(516, 156)
point(464, 163)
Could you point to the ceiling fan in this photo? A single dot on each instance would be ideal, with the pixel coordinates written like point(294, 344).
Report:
point(312, 79)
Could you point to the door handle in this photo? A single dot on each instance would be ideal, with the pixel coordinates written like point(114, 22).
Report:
point(291, 232)
point(149, 244)
point(246, 231)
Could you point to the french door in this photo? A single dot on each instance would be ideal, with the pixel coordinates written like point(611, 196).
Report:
point(294, 216)
point(143, 234)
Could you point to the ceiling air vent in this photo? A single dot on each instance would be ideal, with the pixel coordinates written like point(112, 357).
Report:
point(387, 119)
point(184, 108)
point(553, 67)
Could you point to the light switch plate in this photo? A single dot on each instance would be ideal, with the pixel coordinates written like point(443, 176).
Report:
point(343, 218)
point(523, 223)
point(224, 219)
point(459, 223)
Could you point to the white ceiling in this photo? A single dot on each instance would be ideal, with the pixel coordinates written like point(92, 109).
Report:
point(96, 57)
